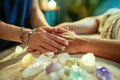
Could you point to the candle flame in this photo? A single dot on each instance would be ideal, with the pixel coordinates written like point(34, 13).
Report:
point(52, 5)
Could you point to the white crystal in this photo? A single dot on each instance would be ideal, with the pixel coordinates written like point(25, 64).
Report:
point(18, 50)
point(62, 57)
point(88, 62)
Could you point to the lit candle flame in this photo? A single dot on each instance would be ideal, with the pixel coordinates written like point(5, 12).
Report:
point(52, 5)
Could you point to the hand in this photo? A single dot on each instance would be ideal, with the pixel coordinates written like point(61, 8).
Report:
point(43, 41)
point(76, 43)
point(63, 25)
point(55, 29)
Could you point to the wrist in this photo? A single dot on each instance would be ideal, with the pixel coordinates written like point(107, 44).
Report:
point(24, 34)
point(83, 44)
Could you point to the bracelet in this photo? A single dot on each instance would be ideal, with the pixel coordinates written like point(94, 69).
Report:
point(28, 38)
point(21, 34)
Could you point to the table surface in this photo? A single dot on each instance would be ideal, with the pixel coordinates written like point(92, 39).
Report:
point(10, 68)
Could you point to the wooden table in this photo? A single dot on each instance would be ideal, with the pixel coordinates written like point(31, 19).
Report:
point(10, 67)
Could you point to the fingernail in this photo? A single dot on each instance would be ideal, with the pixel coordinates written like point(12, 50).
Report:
point(63, 48)
point(37, 52)
point(29, 49)
point(66, 43)
point(56, 51)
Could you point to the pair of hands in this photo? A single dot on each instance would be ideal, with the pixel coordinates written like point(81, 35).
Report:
point(55, 40)
point(47, 39)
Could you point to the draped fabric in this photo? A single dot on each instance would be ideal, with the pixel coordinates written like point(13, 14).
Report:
point(110, 26)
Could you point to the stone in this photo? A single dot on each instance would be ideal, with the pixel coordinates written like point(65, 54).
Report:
point(76, 73)
point(53, 67)
point(103, 73)
point(62, 57)
point(27, 60)
point(88, 62)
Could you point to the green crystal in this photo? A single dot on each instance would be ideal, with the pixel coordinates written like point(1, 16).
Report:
point(70, 62)
point(76, 73)
point(67, 71)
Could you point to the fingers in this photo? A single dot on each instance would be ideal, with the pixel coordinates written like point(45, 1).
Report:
point(59, 30)
point(43, 47)
point(29, 50)
point(67, 28)
point(49, 47)
point(37, 50)
point(58, 39)
point(67, 37)
point(43, 41)
point(54, 44)
point(56, 30)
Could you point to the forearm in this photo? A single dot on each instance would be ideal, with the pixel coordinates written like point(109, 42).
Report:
point(84, 26)
point(104, 48)
point(37, 17)
point(11, 32)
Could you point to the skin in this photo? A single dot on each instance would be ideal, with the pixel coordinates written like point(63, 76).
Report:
point(87, 25)
point(106, 48)
point(40, 38)
point(37, 17)
point(43, 41)
point(79, 27)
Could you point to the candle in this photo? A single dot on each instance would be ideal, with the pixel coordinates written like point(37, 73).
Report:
point(52, 5)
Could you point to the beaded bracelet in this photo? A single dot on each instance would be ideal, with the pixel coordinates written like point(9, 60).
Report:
point(21, 34)
point(28, 38)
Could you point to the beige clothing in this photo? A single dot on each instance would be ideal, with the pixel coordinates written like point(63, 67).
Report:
point(110, 26)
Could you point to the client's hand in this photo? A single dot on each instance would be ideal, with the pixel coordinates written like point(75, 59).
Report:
point(76, 43)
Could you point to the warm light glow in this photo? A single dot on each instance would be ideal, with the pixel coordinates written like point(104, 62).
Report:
point(52, 5)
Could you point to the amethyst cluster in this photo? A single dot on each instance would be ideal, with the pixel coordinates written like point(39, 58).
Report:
point(103, 73)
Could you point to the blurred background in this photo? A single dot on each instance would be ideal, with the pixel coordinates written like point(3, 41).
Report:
point(58, 11)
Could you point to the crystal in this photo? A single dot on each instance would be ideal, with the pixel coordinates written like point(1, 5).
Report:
point(42, 59)
point(33, 70)
point(70, 62)
point(49, 54)
point(57, 75)
point(27, 60)
point(54, 66)
point(76, 73)
point(39, 65)
point(63, 57)
point(55, 71)
point(18, 50)
point(88, 62)
point(103, 73)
